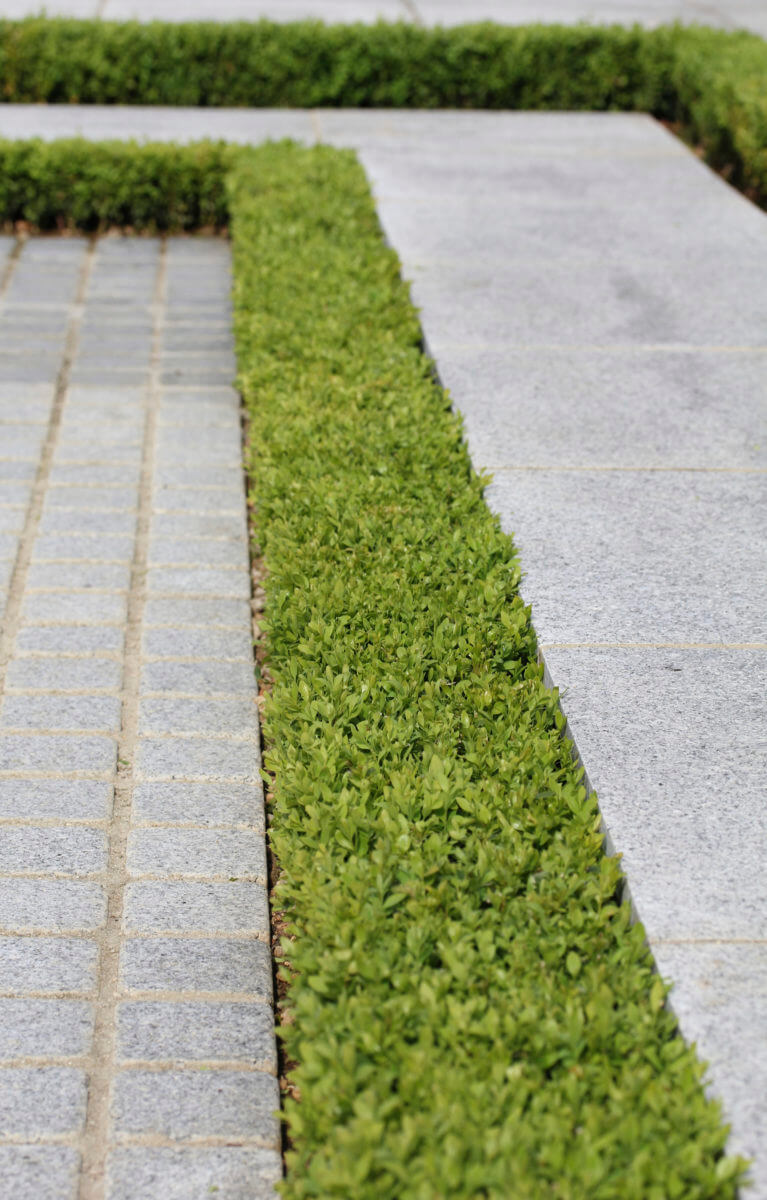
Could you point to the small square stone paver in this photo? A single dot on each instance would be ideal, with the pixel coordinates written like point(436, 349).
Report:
point(200, 803)
point(47, 905)
point(70, 639)
point(204, 678)
point(186, 642)
point(45, 964)
point(80, 547)
point(200, 965)
point(203, 501)
point(68, 850)
point(209, 552)
point(59, 608)
point(30, 752)
point(238, 717)
point(200, 477)
point(197, 758)
point(75, 575)
point(188, 1104)
point(35, 1101)
point(59, 799)
point(34, 1028)
point(92, 498)
point(40, 1172)
point(22, 441)
point(75, 713)
point(64, 674)
point(94, 521)
point(172, 906)
point(92, 548)
point(200, 611)
point(199, 581)
point(221, 445)
point(204, 853)
point(198, 525)
point(229, 1172)
point(196, 1031)
point(108, 474)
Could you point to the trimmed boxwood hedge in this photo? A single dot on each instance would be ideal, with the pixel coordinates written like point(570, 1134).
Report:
point(471, 1009)
point(709, 83)
point(76, 184)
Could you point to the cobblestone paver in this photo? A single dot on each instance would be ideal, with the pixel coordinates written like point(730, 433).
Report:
point(137, 1044)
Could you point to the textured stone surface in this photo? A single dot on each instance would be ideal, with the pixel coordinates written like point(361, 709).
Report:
point(658, 556)
point(197, 758)
point(194, 1174)
point(202, 1030)
point(200, 803)
point(673, 742)
point(43, 964)
point(40, 1172)
point(69, 850)
point(177, 1104)
point(198, 853)
point(721, 991)
point(202, 965)
point(193, 985)
point(188, 907)
point(32, 1028)
point(59, 799)
point(28, 905)
point(35, 1101)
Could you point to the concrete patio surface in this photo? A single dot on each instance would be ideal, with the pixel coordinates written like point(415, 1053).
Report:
point(723, 14)
point(594, 299)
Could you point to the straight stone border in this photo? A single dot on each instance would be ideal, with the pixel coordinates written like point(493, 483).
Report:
point(593, 297)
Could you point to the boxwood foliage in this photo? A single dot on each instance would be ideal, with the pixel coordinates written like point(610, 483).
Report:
point(709, 81)
point(78, 184)
point(473, 1013)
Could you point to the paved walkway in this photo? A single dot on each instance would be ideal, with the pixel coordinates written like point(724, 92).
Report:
point(612, 370)
point(133, 905)
point(724, 14)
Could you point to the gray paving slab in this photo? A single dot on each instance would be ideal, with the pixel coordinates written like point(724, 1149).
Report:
point(735, 14)
point(119, 577)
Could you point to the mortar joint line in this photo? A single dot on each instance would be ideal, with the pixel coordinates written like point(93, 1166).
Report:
point(96, 1134)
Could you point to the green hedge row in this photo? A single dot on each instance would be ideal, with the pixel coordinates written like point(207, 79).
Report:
point(710, 82)
point(472, 1011)
point(81, 185)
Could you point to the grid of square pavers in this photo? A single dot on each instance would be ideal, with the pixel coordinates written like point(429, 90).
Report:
point(136, 1028)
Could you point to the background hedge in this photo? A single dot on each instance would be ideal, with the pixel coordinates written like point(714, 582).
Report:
point(711, 83)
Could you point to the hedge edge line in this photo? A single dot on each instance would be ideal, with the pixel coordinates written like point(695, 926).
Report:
point(708, 82)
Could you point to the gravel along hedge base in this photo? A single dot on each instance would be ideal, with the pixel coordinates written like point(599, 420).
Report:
point(76, 184)
point(708, 82)
point(472, 1012)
